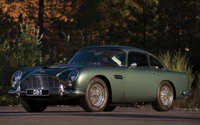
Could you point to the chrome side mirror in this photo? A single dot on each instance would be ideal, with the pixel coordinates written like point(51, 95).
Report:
point(133, 65)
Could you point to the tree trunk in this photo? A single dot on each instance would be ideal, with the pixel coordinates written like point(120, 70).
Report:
point(41, 18)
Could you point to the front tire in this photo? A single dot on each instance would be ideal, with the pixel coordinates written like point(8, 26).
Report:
point(165, 97)
point(33, 106)
point(96, 97)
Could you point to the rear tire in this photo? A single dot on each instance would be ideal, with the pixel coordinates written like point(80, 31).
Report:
point(33, 106)
point(96, 97)
point(165, 97)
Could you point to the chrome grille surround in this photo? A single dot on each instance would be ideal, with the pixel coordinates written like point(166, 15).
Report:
point(40, 82)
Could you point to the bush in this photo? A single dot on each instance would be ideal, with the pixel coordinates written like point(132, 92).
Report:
point(194, 100)
point(180, 62)
point(17, 53)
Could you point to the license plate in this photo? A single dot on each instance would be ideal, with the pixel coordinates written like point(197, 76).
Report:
point(37, 92)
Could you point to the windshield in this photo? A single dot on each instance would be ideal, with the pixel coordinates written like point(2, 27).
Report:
point(97, 56)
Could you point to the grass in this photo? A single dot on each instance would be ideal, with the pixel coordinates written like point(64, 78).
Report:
point(180, 62)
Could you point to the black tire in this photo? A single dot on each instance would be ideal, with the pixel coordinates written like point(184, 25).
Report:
point(109, 108)
point(96, 97)
point(33, 106)
point(165, 97)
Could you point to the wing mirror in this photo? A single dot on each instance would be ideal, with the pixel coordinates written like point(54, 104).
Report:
point(133, 65)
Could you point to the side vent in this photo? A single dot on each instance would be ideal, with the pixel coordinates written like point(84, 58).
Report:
point(118, 76)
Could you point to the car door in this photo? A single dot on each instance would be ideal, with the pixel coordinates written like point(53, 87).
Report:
point(140, 79)
point(159, 68)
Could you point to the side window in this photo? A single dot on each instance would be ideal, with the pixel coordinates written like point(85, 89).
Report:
point(139, 58)
point(155, 63)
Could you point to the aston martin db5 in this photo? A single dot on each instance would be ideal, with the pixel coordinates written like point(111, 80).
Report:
point(99, 78)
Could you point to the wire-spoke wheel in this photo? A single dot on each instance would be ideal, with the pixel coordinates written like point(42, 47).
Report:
point(165, 97)
point(96, 97)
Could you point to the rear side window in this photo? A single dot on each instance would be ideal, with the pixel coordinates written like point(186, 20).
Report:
point(155, 63)
point(139, 58)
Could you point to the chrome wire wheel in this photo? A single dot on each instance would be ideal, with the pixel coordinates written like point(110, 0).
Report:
point(96, 95)
point(166, 96)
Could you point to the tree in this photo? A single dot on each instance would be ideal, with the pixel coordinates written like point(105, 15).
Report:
point(41, 16)
point(148, 23)
point(52, 16)
point(23, 51)
point(120, 22)
point(178, 20)
point(118, 19)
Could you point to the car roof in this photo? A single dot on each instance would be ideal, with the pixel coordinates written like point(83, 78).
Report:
point(124, 48)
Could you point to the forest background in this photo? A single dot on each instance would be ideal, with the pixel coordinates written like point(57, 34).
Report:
point(46, 32)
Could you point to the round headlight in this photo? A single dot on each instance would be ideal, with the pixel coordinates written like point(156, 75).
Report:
point(16, 77)
point(73, 75)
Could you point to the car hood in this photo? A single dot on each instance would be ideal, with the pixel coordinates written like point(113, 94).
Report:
point(54, 69)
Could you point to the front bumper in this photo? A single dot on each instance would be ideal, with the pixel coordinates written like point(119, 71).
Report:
point(39, 92)
point(187, 93)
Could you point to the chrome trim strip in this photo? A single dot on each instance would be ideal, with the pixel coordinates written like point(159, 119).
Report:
point(15, 92)
point(74, 93)
point(12, 92)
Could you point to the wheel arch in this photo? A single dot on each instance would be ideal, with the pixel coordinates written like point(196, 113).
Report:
point(105, 79)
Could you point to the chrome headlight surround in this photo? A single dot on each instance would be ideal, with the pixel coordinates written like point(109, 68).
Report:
point(73, 75)
point(16, 77)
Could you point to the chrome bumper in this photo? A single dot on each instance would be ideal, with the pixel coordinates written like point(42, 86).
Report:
point(187, 93)
point(64, 93)
point(61, 92)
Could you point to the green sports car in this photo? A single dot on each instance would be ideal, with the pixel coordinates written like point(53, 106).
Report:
point(99, 78)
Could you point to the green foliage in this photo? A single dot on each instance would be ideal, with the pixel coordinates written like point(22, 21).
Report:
point(177, 24)
point(69, 46)
point(194, 99)
point(6, 99)
point(119, 22)
point(16, 53)
point(23, 51)
point(180, 62)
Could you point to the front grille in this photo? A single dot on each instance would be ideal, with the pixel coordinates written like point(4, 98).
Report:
point(40, 82)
